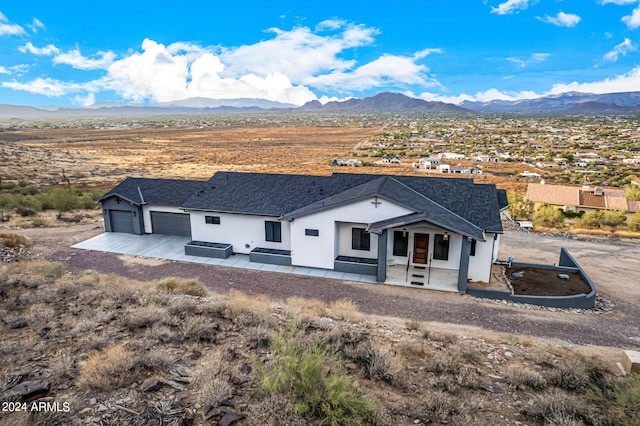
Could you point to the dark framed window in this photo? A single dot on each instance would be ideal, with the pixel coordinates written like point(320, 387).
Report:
point(440, 247)
point(400, 243)
point(473, 248)
point(272, 231)
point(212, 220)
point(360, 239)
point(311, 232)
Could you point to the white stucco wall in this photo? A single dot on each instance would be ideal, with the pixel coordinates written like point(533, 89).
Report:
point(480, 264)
point(455, 245)
point(332, 225)
point(146, 209)
point(238, 230)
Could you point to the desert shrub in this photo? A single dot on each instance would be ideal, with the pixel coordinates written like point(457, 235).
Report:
point(627, 399)
point(238, 303)
point(210, 383)
point(299, 369)
point(519, 206)
point(435, 336)
point(614, 218)
point(548, 216)
point(43, 268)
point(63, 365)
point(344, 309)
point(177, 285)
point(634, 223)
point(522, 376)
point(632, 192)
point(197, 328)
point(274, 410)
point(590, 220)
point(14, 240)
point(144, 317)
point(413, 324)
point(555, 409)
point(571, 372)
point(107, 369)
point(310, 307)
point(61, 200)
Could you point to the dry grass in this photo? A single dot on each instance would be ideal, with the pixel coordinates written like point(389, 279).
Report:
point(345, 310)
point(14, 240)
point(107, 369)
point(177, 285)
point(523, 376)
point(309, 307)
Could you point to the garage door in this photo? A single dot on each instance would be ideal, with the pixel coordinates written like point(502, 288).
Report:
point(171, 224)
point(121, 221)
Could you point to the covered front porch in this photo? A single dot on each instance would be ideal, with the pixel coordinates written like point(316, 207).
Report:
point(416, 251)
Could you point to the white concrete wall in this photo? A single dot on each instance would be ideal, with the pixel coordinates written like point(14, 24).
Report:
point(455, 245)
point(238, 230)
point(345, 236)
point(146, 209)
point(480, 264)
point(319, 252)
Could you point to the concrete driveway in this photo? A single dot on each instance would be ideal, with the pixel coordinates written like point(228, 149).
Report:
point(170, 247)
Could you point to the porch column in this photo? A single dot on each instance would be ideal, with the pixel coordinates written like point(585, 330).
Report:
point(382, 257)
point(465, 252)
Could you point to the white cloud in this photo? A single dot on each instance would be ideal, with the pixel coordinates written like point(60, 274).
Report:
point(620, 49)
point(77, 61)
point(45, 86)
point(562, 19)
point(628, 82)
point(16, 69)
point(426, 52)
point(298, 53)
point(85, 101)
point(36, 25)
point(4, 70)
point(7, 28)
point(633, 21)
point(510, 6)
point(533, 59)
point(284, 68)
point(387, 68)
point(40, 51)
point(618, 2)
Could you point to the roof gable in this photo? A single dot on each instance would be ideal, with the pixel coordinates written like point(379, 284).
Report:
point(165, 192)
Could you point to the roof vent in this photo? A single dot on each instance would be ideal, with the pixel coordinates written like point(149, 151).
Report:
point(598, 190)
point(586, 188)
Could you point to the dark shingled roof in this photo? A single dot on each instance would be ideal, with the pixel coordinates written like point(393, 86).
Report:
point(162, 192)
point(293, 195)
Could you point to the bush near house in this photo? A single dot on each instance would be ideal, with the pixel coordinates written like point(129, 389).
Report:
point(26, 200)
point(549, 217)
point(599, 218)
point(634, 223)
point(519, 206)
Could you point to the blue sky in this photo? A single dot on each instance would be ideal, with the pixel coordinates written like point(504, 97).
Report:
point(61, 53)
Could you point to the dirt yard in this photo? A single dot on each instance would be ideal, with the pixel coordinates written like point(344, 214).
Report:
point(546, 282)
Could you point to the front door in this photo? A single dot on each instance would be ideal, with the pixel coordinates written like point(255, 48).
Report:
point(420, 248)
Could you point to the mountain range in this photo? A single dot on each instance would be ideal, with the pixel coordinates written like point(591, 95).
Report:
point(565, 103)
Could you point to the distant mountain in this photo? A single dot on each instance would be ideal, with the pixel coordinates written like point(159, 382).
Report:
point(570, 102)
point(390, 102)
point(565, 103)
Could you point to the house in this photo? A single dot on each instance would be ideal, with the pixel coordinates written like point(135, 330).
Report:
point(577, 198)
point(450, 156)
point(429, 162)
point(404, 230)
point(390, 159)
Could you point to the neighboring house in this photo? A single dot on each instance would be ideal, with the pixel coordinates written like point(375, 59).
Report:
point(577, 198)
point(429, 162)
point(401, 229)
point(350, 163)
point(451, 156)
point(391, 159)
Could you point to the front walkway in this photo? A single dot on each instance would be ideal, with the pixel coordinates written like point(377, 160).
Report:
point(170, 247)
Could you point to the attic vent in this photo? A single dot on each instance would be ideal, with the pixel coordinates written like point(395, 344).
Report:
point(213, 187)
point(586, 188)
point(598, 191)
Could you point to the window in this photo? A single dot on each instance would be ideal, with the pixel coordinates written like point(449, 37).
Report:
point(272, 231)
point(473, 248)
point(400, 243)
point(360, 239)
point(311, 232)
point(440, 247)
point(212, 220)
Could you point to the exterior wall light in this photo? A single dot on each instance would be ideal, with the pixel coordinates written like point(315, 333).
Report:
point(445, 237)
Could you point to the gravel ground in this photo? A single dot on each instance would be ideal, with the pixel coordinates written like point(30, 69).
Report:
point(613, 329)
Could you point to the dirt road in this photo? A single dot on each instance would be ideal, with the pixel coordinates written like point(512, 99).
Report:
point(611, 264)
